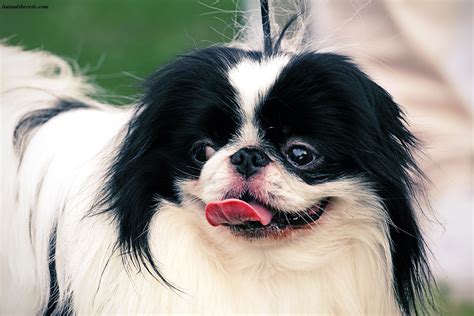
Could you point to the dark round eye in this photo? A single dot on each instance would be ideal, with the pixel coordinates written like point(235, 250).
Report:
point(202, 152)
point(300, 155)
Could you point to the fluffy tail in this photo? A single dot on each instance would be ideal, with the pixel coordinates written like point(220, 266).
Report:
point(41, 71)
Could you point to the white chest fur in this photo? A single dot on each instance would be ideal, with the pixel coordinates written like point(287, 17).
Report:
point(218, 276)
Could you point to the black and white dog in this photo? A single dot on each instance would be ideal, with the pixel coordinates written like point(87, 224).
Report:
point(242, 181)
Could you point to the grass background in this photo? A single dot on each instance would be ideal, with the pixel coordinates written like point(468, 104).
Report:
point(118, 42)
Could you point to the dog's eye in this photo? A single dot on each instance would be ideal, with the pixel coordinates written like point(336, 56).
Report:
point(202, 152)
point(300, 155)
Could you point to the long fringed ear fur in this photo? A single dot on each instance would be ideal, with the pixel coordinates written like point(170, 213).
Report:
point(137, 181)
point(140, 176)
point(401, 182)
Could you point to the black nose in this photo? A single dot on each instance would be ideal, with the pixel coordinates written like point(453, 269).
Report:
point(248, 161)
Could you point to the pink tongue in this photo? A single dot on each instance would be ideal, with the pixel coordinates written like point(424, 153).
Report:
point(233, 211)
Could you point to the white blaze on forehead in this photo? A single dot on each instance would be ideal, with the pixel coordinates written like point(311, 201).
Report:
point(252, 80)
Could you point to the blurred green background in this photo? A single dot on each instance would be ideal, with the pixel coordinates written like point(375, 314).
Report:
point(117, 42)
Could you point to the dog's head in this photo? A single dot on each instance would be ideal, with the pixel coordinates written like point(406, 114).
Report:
point(270, 149)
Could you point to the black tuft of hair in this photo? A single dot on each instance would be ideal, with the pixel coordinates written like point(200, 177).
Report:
point(276, 47)
point(269, 48)
point(267, 32)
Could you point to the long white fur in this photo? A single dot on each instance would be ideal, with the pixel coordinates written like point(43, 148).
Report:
point(341, 266)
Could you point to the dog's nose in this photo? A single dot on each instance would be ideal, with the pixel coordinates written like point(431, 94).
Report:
point(249, 160)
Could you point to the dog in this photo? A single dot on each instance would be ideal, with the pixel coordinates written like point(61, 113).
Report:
point(242, 181)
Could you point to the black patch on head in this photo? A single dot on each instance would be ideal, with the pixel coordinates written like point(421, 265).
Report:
point(186, 101)
point(31, 121)
point(357, 129)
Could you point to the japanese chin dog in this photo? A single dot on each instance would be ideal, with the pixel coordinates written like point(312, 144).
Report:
point(241, 182)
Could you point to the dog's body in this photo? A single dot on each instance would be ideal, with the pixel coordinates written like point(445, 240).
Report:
point(85, 231)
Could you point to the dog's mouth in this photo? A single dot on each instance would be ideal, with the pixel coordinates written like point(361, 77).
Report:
point(250, 218)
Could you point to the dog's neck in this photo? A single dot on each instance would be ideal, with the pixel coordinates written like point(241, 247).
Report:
point(217, 276)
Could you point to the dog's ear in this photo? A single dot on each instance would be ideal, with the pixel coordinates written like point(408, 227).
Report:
point(141, 174)
point(401, 181)
point(137, 181)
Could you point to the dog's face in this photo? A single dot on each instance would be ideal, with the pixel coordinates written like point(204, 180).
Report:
point(267, 148)
point(280, 138)
point(266, 143)
point(263, 145)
